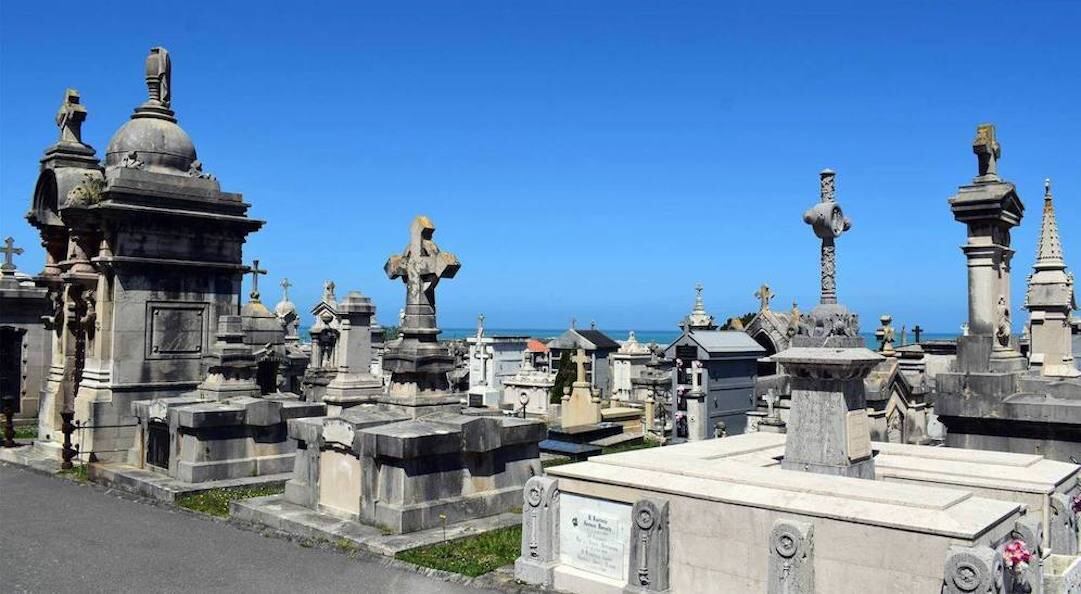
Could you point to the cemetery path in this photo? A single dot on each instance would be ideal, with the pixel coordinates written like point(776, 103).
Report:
point(60, 536)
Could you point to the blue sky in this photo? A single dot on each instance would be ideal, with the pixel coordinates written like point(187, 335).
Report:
point(587, 159)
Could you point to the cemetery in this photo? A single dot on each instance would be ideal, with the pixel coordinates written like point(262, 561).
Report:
point(783, 455)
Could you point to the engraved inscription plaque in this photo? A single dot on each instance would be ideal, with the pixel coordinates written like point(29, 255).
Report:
point(858, 430)
point(593, 535)
point(176, 330)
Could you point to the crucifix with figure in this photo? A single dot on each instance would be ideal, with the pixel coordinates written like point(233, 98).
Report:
point(255, 271)
point(9, 251)
point(421, 265)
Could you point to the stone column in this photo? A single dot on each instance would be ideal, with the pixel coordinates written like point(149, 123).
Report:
point(828, 428)
point(354, 382)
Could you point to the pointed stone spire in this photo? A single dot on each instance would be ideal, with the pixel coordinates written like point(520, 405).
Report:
point(699, 318)
point(1050, 301)
point(1049, 250)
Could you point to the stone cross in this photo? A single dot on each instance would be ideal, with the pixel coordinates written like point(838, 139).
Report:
point(829, 223)
point(482, 353)
point(255, 271)
point(285, 284)
point(764, 294)
point(917, 331)
point(574, 321)
point(581, 359)
point(69, 119)
point(771, 400)
point(10, 250)
point(987, 150)
point(421, 266)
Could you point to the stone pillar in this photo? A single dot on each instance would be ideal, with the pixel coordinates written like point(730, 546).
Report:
point(828, 428)
point(791, 558)
point(540, 532)
point(1063, 537)
point(648, 567)
point(354, 382)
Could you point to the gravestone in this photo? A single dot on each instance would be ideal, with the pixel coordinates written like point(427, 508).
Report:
point(354, 383)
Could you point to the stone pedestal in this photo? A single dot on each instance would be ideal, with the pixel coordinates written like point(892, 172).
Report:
point(828, 428)
point(354, 383)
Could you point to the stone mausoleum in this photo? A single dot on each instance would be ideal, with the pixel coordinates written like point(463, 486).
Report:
point(143, 255)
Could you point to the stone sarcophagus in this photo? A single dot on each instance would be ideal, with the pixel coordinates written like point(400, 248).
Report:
point(377, 466)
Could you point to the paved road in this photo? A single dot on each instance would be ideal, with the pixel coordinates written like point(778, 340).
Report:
point(59, 536)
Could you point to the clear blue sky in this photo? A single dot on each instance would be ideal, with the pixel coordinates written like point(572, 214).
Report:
point(588, 159)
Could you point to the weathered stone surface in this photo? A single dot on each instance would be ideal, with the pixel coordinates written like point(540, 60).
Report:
point(791, 558)
point(973, 570)
point(540, 532)
point(649, 544)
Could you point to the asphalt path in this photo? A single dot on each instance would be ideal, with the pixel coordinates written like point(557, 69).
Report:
point(61, 536)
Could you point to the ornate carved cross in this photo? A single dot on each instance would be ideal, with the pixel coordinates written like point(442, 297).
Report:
point(69, 119)
point(255, 271)
point(828, 222)
point(10, 250)
point(421, 265)
point(764, 294)
point(581, 359)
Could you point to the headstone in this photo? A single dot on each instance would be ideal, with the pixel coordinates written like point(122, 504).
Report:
point(582, 404)
point(354, 383)
point(594, 535)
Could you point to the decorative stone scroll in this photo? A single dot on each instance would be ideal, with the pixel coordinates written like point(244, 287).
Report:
point(648, 568)
point(1029, 529)
point(1063, 525)
point(973, 570)
point(540, 532)
point(791, 558)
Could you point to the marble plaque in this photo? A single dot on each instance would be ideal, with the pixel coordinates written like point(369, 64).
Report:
point(176, 330)
point(593, 535)
point(858, 433)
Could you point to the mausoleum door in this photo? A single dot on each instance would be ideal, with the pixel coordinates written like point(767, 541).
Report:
point(11, 345)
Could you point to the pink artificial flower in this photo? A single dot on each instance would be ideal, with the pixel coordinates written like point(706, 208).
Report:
point(1076, 503)
point(1016, 555)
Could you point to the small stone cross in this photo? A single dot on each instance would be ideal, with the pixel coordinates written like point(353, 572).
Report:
point(771, 400)
point(285, 284)
point(10, 250)
point(255, 271)
point(581, 359)
point(917, 332)
point(764, 294)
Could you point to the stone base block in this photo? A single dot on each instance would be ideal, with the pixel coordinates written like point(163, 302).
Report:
point(864, 469)
point(534, 572)
point(402, 519)
point(198, 472)
point(154, 485)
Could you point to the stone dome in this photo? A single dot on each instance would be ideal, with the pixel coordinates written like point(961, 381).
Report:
point(158, 144)
point(284, 308)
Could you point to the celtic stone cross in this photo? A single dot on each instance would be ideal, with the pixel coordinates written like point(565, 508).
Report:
point(69, 118)
point(829, 223)
point(421, 265)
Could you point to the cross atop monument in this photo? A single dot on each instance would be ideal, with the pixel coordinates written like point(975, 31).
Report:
point(580, 359)
point(987, 151)
point(255, 271)
point(285, 284)
point(917, 332)
point(828, 222)
point(69, 118)
point(10, 250)
point(764, 294)
point(421, 265)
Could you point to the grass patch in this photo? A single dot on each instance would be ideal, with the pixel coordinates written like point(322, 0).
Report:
point(470, 556)
point(627, 447)
point(26, 432)
point(79, 473)
point(215, 502)
point(555, 462)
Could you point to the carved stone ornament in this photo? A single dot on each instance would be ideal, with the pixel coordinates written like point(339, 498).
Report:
point(157, 411)
point(338, 432)
point(791, 557)
point(648, 568)
point(540, 531)
point(973, 570)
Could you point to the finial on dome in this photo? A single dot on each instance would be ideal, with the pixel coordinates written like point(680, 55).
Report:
point(159, 76)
